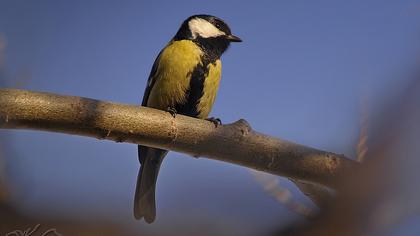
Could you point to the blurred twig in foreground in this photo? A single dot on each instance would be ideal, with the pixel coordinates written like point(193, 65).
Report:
point(383, 192)
point(362, 148)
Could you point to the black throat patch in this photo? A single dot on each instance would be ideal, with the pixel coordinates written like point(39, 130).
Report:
point(213, 48)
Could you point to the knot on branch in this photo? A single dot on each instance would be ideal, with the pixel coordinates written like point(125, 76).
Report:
point(332, 162)
point(243, 126)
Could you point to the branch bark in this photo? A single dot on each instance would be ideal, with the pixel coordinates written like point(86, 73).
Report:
point(235, 143)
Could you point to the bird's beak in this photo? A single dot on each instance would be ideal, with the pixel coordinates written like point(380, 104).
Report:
point(233, 38)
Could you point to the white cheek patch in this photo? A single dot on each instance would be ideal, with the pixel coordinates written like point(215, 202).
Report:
point(203, 28)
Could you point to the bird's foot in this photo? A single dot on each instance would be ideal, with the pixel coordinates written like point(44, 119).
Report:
point(172, 111)
point(215, 121)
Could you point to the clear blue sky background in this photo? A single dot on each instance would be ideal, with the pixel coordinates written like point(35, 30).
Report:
point(300, 74)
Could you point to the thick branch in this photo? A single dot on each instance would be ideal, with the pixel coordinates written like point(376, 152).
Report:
point(235, 143)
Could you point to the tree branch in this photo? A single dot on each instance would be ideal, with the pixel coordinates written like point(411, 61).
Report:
point(234, 143)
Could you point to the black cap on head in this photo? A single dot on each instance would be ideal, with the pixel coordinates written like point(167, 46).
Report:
point(198, 26)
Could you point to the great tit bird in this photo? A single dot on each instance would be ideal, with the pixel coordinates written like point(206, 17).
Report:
point(184, 80)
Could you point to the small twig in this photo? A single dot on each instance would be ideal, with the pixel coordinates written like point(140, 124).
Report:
point(362, 149)
point(283, 195)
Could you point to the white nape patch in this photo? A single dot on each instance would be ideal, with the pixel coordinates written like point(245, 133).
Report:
point(203, 28)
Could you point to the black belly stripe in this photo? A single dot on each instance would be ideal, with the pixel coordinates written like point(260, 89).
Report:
point(194, 93)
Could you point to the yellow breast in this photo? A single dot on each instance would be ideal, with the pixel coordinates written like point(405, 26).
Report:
point(176, 63)
point(173, 75)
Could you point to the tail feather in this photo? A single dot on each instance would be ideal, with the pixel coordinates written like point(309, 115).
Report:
point(144, 199)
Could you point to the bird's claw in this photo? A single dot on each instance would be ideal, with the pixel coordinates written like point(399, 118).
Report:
point(215, 121)
point(172, 111)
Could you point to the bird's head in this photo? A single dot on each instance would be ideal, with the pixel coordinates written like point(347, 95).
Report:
point(206, 29)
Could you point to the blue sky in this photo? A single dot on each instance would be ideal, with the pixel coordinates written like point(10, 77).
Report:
point(301, 74)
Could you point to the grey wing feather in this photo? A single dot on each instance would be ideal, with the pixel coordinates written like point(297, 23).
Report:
point(151, 81)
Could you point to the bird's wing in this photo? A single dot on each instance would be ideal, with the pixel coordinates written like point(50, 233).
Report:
point(150, 160)
point(151, 81)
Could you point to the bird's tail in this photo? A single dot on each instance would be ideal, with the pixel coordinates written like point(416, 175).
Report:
point(144, 199)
